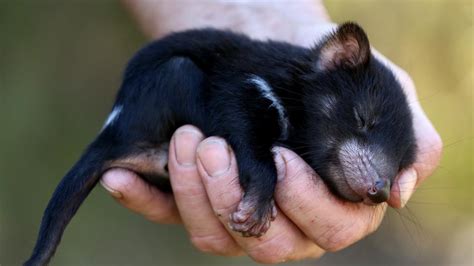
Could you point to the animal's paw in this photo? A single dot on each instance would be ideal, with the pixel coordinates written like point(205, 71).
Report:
point(252, 218)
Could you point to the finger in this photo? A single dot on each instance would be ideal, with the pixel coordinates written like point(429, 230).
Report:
point(403, 188)
point(282, 242)
point(429, 148)
point(429, 143)
point(428, 140)
point(135, 194)
point(331, 223)
point(205, 230)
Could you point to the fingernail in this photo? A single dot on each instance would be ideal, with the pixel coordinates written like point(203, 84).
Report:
point(214, 155)
point(406, 183)
point(105, 181)
point(186, 141)
point(280, 164)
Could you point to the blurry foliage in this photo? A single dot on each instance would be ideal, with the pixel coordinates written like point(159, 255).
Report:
point(61, 64)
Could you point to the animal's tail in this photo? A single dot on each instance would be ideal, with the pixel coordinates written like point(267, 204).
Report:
point(68, 196)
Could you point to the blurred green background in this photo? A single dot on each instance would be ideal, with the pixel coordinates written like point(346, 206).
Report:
point(61, 64)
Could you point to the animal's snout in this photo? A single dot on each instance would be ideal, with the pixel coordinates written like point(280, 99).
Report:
point(367, 171)
point(380, 191)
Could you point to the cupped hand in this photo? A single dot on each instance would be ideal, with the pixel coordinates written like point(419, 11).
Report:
point(206, 191)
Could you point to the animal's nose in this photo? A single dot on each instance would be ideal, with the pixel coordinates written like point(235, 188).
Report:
point(380, 191)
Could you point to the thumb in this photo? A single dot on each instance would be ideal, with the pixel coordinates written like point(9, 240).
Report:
point(137, 195)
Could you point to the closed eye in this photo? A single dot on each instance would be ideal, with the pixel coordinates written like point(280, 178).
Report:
point(364, 123)
point(359, 119)
point(371, 124)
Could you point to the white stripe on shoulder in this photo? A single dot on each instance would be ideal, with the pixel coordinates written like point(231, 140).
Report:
point(113, 116)
point(267, 92)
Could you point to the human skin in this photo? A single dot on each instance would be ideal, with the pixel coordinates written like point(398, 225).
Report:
point(203, 170)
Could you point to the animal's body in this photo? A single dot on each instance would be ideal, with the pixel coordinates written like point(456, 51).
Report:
point(335, 105)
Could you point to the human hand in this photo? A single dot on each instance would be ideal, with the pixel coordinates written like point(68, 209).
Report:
point(206, 191)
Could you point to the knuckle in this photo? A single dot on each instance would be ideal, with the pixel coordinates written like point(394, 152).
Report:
point(311, 252)
point(374, 218)
point(372, 226)
point(219, 245)
point(274, 250)
point(372, 229)
point(159, 210)
point(188, 190)
point(267, 258)
point(429, 156)
point(375, 222)
point(202, 243)
point(339, 236)
point(316, 254)
point(160, 217)
point(157, 215)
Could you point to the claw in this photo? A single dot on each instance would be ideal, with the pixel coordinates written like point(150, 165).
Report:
point(251, 221)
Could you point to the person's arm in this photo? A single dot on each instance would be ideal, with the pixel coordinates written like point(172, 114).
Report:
point(203, 171)
point(276, 19)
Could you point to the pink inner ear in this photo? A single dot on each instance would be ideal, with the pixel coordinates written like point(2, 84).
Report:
point(351, 52)
point(337, 52)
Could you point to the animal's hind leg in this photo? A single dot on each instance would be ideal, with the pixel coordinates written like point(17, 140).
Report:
point(151, 163)
point(167, 97)
point(258, 179)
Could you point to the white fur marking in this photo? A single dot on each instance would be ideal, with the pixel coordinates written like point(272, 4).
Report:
point(267, 92)
point(113, 116)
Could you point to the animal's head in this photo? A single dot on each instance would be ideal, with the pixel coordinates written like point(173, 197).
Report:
point(360, 125)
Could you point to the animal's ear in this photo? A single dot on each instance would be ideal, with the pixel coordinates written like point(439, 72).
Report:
point(347, 47)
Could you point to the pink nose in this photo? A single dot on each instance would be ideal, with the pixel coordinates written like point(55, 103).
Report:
point(380, 191)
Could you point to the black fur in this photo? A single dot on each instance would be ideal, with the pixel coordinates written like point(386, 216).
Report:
point(201, 77)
